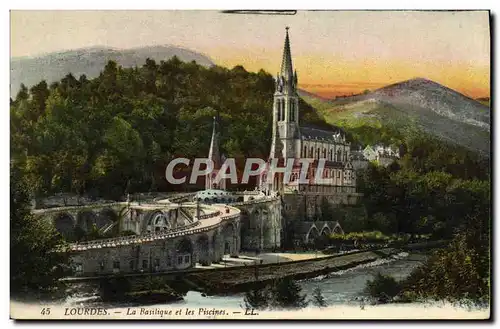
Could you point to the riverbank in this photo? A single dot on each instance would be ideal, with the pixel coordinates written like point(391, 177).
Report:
point(233, 280)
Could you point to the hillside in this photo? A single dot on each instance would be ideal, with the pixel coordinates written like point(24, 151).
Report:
point(420, 103)
point(90, 61)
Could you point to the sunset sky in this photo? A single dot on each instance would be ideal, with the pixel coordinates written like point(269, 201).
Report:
point(334, 52)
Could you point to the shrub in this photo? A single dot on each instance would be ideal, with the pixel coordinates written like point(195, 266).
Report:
point(383, 287)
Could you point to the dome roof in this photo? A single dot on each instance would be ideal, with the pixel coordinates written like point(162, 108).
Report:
point(211, 194)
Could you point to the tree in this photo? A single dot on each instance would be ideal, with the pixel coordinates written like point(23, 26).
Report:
point(257, 299)
point(286, 293)
point(318, 299)
point(458, 273)
point(36, 260)
point(383, 288)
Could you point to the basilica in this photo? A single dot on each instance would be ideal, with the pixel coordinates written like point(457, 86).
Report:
point(303, 202)
point(290, 140)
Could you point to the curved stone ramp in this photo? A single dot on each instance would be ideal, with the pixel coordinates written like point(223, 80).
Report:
point(205, 223)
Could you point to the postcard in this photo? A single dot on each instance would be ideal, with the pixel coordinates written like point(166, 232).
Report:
point(238, 164)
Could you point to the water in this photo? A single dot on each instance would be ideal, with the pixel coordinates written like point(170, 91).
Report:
point(337, 287)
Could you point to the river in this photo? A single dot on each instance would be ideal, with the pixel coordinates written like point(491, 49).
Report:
point(337, 287)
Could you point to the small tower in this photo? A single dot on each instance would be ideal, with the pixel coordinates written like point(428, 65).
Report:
point(214, 155)
point(285, 109)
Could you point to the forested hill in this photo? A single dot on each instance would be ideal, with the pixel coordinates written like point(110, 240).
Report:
point(90, 61)
point(116, 132)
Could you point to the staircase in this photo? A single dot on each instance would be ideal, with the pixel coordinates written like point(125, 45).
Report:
point(186, 214)
point(108, 227)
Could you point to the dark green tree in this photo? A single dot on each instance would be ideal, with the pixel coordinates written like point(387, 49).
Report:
point(318, 299)
point(286, 293)
point(257, 299)
point(383, 288)
point(36, 260)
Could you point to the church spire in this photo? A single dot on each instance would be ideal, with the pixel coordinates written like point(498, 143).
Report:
point(286, 63)
point(213, 153)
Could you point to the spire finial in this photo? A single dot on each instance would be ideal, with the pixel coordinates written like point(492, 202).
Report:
point(287, 28)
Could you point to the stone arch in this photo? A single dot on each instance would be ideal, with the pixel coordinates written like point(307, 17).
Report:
point(326, 230)
point(267, 229)
point(183, 253)
point(245, 228)
point(216, 247)
point(337, 229)
point(312, 234)
point(203, 250)
point(157, 222)
point(229, 239)
point(65, 224)
point(86, 219)
point(105, 217)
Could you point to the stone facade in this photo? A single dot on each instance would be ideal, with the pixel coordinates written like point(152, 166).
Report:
point(292, 141)
point(161, 255)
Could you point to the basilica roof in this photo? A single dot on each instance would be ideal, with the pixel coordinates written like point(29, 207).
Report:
point(309, 133)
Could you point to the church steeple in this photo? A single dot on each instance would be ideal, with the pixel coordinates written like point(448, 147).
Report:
point(213, 153)
point(286, 63)
point(286, 80)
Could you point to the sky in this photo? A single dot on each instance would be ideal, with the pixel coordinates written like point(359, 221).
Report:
point(334, 52)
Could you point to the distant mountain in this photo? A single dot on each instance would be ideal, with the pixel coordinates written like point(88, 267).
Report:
point(431, 107)
point(90, 61)
point(484, 100)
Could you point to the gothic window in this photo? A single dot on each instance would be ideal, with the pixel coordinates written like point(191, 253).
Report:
point(330, 155)
point(311, 154)
point(282, 109)
point(278, 105)
point(304, 153)
point(338, 174)
point(324, 153)
point(317, 153)
point(339, 155)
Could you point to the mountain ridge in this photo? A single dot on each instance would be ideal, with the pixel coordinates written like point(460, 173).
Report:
point(435, 109)
point(53, 66)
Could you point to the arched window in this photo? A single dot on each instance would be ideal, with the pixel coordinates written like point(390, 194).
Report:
point(317, 153)
point(304, 152)
point(330, 155)
point(324, 153)
point(282, 109)
point(278, 106)
point(311, 153)
point(339, 155)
